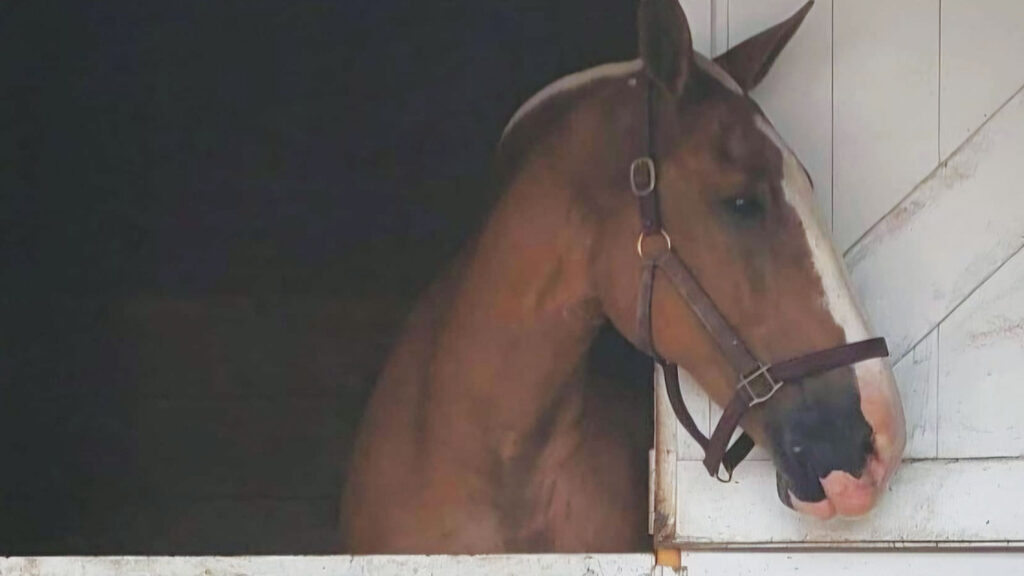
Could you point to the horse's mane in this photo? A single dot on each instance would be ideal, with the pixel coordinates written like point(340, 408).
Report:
point(542, 111)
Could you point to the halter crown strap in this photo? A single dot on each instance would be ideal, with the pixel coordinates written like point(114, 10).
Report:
point(758, 382)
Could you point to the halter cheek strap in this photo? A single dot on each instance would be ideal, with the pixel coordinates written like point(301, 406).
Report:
point(758, 381)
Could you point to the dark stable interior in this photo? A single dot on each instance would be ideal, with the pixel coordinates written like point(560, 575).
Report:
point(214, 216)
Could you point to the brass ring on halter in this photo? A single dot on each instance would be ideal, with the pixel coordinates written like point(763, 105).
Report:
point(643, 236)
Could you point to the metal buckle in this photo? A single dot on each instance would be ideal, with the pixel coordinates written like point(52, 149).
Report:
point(773, 386)
point(645, 185)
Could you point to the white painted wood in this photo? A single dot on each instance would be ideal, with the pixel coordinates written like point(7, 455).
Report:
point(886, 74)
point(719, 26)
point(696, 563)
point(698, 14)
point(797, 93)
point(981, 405)
point(852, 564)
point(930, 501)
point(662, 521)
point(947, 236)
point(510, 565)
point(982, 43)
point(917, 376)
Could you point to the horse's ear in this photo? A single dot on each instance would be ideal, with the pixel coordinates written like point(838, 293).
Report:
point(748, 62)
point(666, 47)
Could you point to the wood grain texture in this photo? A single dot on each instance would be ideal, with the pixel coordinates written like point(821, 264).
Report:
point(947, 236)
point(886, 73)
point(508, 565)
point(929, 501)
point(662, 499)
point(851, 563)
point(797, 92)
point(695, 563)
point(982, 41)
point(981, 404)
point(917, 376)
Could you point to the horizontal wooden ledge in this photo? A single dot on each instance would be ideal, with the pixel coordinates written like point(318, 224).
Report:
point(931, 503)
point(695, 564)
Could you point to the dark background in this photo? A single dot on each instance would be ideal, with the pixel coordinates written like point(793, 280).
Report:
point(214, 216)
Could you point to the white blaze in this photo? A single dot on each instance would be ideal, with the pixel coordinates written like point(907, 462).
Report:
point(880, 401)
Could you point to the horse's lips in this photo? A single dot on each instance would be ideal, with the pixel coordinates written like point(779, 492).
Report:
point(845, 494)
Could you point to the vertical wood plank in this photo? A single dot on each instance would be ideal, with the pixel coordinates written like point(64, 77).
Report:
point(886, 78)
point(982, 41)
point(698, 14)
point(662, 482)
point(981, 400)
point(917, 376)
point(797, 93)
point(947, 236)
point(719, 26)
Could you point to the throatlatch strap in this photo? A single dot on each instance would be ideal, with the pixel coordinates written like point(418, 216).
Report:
point(729, 458)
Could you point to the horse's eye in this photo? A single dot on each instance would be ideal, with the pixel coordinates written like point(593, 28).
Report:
point(745, 207)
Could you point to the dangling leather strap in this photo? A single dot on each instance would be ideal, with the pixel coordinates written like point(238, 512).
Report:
point(758, 382)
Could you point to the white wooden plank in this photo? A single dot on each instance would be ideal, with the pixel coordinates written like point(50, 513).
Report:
point(944, 239)
point(698, 14)
point(930, 501)
point(696, 563)
point(917, 376)
point(982, 41)
point(886, 74)
point(662, 499)
point(852, 564)
point(981, 407)
point(797, 93)
point(719, 26)
point(511, 565)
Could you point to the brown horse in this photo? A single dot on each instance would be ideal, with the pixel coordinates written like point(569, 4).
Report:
point(490, 430)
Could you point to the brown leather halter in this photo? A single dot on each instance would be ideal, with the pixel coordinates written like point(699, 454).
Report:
point(758, 381)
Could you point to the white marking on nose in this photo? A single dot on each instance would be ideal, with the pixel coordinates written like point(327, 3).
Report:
point(799, 194)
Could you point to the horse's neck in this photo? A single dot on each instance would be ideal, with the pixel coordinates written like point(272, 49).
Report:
point(520, 320)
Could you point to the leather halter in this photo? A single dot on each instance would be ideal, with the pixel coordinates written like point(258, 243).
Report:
point(758, 381)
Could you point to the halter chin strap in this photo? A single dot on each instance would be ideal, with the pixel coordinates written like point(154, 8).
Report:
point(758, 381)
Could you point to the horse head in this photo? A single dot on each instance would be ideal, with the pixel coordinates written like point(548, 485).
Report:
point(737, 207)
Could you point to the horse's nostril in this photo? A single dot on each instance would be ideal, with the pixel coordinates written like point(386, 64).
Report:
point(869, 442)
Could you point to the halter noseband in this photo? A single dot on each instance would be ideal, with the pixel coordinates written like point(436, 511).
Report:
point(758, 381)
